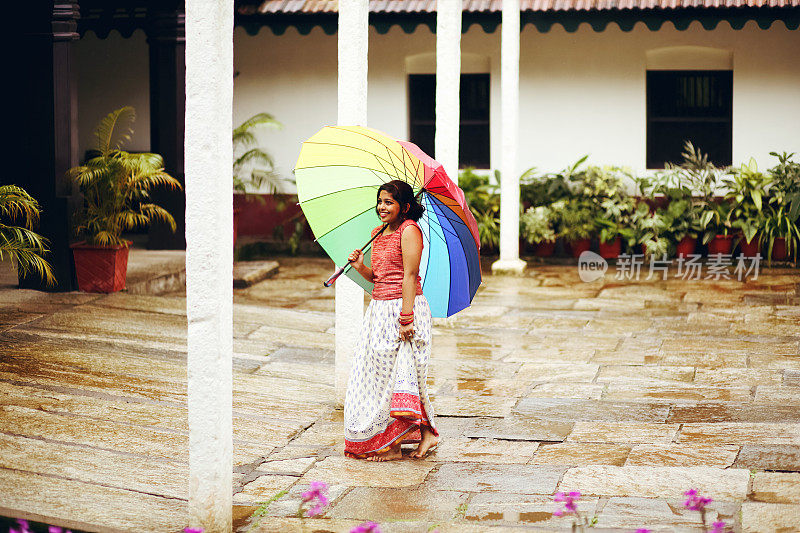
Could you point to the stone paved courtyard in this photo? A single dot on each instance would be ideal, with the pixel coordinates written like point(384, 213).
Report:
point(630, 392)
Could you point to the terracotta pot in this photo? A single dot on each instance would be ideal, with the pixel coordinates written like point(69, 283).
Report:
point(610, 250)
point(100, 268)
point(720, 244)
point(750, 249)
point(544, 249)
point(580, 246)
point(779, 249)
point(686, 246)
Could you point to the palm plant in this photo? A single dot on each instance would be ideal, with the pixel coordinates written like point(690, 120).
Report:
point(116, 184)
point(483, 199)
point(19, 212)
point(783, 208)
point(252, 166)
point(537, 225)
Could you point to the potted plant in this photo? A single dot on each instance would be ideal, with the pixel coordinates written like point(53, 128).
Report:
point(746, 191)
point(577, 221)
point(19, 213)
point(537, 228)
point(676, 206)
point(781, 232)
point(253, 168)
point(483, 199)
point(116, 187)
point(616, 213)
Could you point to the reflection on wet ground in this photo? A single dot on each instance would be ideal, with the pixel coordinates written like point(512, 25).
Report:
point(628, 391)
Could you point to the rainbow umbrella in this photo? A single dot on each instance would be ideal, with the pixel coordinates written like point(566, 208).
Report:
point(338, 174)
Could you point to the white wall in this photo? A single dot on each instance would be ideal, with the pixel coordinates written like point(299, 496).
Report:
point(112, 73)
point(581, 92)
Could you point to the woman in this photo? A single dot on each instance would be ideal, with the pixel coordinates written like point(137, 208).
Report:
point(387, 399)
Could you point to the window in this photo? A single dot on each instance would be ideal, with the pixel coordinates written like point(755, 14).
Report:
point(474, 120)
point(693, 105)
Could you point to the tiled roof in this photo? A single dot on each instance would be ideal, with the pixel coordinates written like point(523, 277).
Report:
point(477, 6)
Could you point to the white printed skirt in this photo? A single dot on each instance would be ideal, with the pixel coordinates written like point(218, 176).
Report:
point(387, 396)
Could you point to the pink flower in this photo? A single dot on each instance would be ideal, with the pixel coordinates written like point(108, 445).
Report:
point(366, 527)
point(695, 502)
point(24, 527)
point(317, 493)
point(193, 530)
point(643, 530)
point(718, 527)
point(569, 499)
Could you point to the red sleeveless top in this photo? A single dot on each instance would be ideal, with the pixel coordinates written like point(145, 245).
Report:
point(387, 264)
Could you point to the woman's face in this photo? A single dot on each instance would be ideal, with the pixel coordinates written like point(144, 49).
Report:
point(388, 208)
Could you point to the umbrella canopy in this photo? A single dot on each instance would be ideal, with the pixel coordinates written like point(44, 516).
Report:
point(338, 175)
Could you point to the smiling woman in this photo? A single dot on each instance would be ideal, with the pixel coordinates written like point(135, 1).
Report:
point(387, 400)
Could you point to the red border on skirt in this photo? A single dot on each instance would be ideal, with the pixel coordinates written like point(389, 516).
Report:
point(405, 428)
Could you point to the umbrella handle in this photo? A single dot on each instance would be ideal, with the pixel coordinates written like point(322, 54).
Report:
point(330, 281)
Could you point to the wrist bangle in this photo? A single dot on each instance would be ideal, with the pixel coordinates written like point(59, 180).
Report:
point(407, 314)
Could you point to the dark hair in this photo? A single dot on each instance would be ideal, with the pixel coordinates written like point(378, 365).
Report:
point(403, 194)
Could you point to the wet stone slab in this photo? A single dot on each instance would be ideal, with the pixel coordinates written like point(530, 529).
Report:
point(776, 487)
point(622, 432)
point(513, 428)
point(760, 517)
point(654, 514)
point(424, 504)
point(496, 509)
point(730, 412)
point(682, 455)
point(656, 482)
point(769, 457)
point(479, 477)
point(740, 433)
point(464, 450)
point(570, 410)
point(580, 454)
point(360, 473)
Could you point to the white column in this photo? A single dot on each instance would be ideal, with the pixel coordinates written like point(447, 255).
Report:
point(448, 81)
point(509, 181)
point(352, 110)
point(209, 260)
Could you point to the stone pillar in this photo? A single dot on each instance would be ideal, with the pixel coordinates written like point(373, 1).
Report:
point(448, 83)
point(45, 105)
point(166, 37)
point(509, 261)
point(353, 38)
point(209, 260)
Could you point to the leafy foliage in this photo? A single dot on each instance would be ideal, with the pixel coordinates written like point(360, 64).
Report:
point(19, 213)
point(252, 166)
point(483, 198)
point(116, 184)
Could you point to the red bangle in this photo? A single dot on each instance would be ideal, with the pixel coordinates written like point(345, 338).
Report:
point(406, 322)
point(407, 314)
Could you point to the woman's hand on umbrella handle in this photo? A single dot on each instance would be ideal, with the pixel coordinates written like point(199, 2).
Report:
point(407, 332)
point(356, 258)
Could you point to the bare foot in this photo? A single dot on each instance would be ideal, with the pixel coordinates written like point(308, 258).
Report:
point(393, 454)
point(428, 442)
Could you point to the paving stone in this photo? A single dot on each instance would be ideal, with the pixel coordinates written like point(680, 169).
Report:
point(477, 405)
point(654, 514)
point(769, 457)
point(316, 525)
point(736, 377)
point(740, 433)
point(291, 467)
point(465, 450)
point(422, 504)
point(770, 517)
point(781, 395)
point(654, 375)
point(583, 391)
point(569, 410)
point(579, 454)
point(479, 477)
point(514, 428)
point(731, 412)
point(682, 455)
point(623, 432)
point(288, 504)
point(675, 394)
point(531, 510)
point(656, 482)
point(791, 378)
point(82, 505)
point(544, 372)
point(776, 487)
point(359, 473)
point(263, 488)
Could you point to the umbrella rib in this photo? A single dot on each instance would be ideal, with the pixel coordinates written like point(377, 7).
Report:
point(343, 223)
point(339, 191)
point(379, 141)
point(377, 157)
